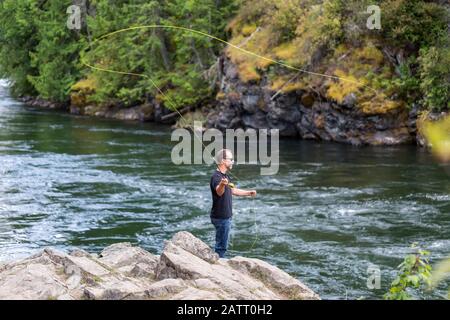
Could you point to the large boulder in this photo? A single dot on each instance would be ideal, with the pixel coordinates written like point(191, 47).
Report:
point(186, 269)
point(133, 261)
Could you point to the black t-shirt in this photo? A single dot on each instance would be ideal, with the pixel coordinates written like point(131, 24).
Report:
point(221, 206)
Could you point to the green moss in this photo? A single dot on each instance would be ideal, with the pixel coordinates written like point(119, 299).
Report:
point(339, 89)
point(286, 84)
point(82, 91)
point(248, 29)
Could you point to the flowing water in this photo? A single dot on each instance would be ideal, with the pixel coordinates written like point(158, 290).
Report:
point(331, 212)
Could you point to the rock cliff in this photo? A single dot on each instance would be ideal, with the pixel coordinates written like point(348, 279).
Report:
point(304, 114)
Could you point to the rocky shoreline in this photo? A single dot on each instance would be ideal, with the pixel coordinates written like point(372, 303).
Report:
point(299, 114)
point(187, 269)
point(305, 114)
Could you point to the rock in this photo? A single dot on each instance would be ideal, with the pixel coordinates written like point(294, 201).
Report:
point(177, 263)
point(224, 118)
point(350, 100)
point(272, 277)
point(43, 103)
point(305, 113)
point(258, 120)
point(286, 129)
point(250, 103)
point(196, 294)
point(80, 253)
point(195, 246)
point(279, 112)
point(132, 261)
point(307, 100)
point(205, 284)
point(124, 254)
point(75, 110)
point(165, 287)
point(186, 269)
point(143, 270)
point(31, 281)
point(390, 137)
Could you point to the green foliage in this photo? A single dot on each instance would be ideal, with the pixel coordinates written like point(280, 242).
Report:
point(17, 36)
point(435, 77)
point(413, 22)
point(175, 60)
point(285, 19)
point(56, 55)
point(422, 27)
point(414, 273)
point(40, 55)
point(405, 85)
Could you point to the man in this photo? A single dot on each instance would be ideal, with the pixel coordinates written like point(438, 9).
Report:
point(222, 190)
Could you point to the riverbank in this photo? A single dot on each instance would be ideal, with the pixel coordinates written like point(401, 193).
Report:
point(313, 72)
point(320, 121)
point(187, 269)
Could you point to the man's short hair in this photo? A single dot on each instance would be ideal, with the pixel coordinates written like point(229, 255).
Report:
point(221, 155)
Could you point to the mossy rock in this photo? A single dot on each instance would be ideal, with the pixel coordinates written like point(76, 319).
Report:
point(81, 92)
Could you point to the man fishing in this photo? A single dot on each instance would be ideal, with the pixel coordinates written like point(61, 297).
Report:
point(222, 191)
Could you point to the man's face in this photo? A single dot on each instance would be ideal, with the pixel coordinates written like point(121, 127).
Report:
point(228, 160)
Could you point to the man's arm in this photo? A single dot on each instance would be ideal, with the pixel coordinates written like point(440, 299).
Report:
point(220, 189)
point(243, 193)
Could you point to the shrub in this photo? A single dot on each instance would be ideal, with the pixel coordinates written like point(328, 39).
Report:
point(435, 77)
point(414, 273)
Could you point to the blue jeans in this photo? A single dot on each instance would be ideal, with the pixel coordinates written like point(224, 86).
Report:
point(223, 227)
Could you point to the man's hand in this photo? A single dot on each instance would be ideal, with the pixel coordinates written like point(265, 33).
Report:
point(252, 193)
point(224, 181)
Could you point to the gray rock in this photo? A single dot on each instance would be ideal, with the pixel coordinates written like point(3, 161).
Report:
point(258, 120)
point(273, 277)
point(197, 294)
point(177, 263)
point(186, 269)
point(165, 288)
point(350, 100)
point(306, 113)
point(31, 281)
point(195, 246)
point(250, 103)
point(80, 253)
point(133, 259)
point(286, 129)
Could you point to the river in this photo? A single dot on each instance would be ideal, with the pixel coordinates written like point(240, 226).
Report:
point(331, 212)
